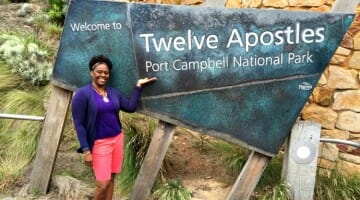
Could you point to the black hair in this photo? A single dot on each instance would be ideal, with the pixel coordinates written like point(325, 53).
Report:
point(95, 60)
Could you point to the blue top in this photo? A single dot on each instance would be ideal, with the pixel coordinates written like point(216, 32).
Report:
point(85, 113)
point(107, 123)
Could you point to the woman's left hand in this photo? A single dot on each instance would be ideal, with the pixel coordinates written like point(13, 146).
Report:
point(144, 81)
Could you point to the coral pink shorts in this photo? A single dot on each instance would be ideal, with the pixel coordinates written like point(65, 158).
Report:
point(108, 156)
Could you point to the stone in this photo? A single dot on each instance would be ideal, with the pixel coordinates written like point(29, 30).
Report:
point(337, 60)
point(348, 168)
point(323, 96)
point(349, 121)
point(312, 3)
point(173, 2)
point(233, 3)
point(324, 172)
point(251, 3)
point(350, 158)
point(335, 134)
point(25, 9)
point(343, 148)
point(321, 8)
point(347, 100)
point(191, 2)
point(340, 78)
point(71, 188)
point(343, 51)
point(322, 80)
point(327, 164)
point(328, 151)
point(347, 41)
point(355, 137)
point(325, 116)
point(276, 3)
point(354, 61)
point(357, 41)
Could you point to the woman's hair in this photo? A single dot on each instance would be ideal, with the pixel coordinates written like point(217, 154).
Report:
point(99, 59)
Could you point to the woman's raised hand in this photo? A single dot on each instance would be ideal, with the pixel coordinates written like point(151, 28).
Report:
point(144, 81)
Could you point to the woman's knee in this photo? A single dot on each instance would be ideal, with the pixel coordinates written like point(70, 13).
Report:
point(103, 185)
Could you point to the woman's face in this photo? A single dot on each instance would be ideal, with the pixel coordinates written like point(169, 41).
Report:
point(100, 74)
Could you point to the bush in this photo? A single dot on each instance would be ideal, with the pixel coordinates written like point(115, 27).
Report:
point(26, 57)
point(172, 190)
point(138, 133)
point(278, 192)
point(8, 80)
point(233, 156)
point(56, 11)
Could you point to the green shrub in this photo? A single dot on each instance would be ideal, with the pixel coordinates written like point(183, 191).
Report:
point(272, 174)
point(26, 56)
point(8, 80)
point(234, 156)
point(138, 133)
point(55, 12)
point(53, 30)
point(172, 190)
point(278, 192)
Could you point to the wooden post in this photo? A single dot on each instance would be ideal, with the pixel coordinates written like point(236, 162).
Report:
point(301, 149)
point(153, 160)
point(300, 159)
point(50, 139)
point(249, 176)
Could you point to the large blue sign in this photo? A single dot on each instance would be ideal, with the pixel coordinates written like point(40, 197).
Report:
point(242, 75)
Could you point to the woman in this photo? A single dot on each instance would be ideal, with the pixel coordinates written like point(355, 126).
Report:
point(95, 111)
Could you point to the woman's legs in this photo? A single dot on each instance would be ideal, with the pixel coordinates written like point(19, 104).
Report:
point(110, 191)
point(107, 162)
point(101, 190)
point(105, 189)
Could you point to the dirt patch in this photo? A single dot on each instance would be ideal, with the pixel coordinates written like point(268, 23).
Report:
point(199, 168)
point(10, 21)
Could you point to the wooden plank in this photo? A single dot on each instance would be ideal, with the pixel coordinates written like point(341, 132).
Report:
point(249, 176)
point(153, 160)
point(50, 139)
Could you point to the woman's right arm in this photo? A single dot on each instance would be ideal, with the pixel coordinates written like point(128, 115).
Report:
point(79, 113)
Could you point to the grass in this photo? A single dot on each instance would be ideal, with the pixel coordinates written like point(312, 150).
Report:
point(18, 138)
point(43, 25)
point(337, 186)
point(8, 80)
point(233, 156)
point(272, 174)
point(138, 131)
point(172, 190)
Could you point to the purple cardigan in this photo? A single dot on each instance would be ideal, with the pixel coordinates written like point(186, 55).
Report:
point(84, 111)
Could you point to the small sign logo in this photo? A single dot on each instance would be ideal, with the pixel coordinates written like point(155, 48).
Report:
point(305, 86)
